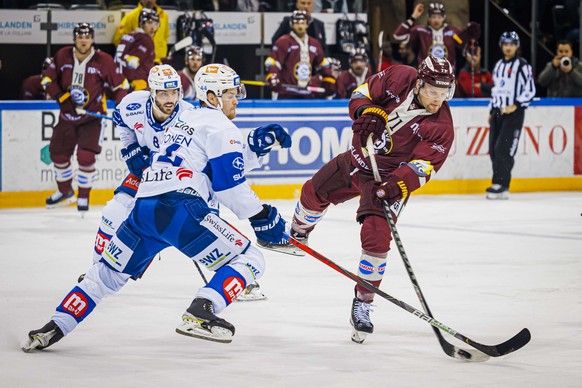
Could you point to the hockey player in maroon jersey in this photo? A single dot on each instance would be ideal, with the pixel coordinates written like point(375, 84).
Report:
point(298, 59)
point(77, 79)
point(437, 38)
point(193, 61)
point(353, 77)
point(406, 113)
point(135, 52)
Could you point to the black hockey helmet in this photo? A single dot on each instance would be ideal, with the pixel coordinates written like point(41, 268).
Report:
point(83, 29)
point(148, 14)
point(509, 37)
point(436, 9)
point(192, 51)
point(358, 54)
point(297, 16)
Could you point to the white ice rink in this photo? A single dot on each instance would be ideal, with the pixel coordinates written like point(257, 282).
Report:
point(487, 269)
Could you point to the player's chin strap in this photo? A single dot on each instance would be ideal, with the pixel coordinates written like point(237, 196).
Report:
point(449, 349)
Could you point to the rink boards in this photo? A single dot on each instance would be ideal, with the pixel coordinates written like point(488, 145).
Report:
point(549, 155)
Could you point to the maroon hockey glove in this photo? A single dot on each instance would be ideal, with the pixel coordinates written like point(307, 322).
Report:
point(274, 82)
point(392, 190)
point(372, 121)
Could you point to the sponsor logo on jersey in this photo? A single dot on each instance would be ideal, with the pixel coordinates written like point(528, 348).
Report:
point(213, 256)
point(182, 173)
point(216, 224)
point(253, 269)
point(157, 176)
point(238, 243)
point(137, 126)
point(112, 253)
point(101, 241)
point(366, 267)
point(133, 106)
point(186, 128)
point(131, 182)
point(232, 141)
point(382, 269)
point(75, 303)
point(238, 163)
point(177, 139)
point(232, 287)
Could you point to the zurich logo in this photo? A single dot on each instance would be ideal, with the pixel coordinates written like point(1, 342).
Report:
point(134, 106)
point(238, 163)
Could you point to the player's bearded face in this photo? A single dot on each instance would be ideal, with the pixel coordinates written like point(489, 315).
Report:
point(359, 67)
point(229, 103)
point(194, 63)
point(436, 21)
point(83, 43)
point(166, 100)
point(431, 97)
point(300, 28)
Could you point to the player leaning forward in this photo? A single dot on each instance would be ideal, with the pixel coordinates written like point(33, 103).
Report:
point(200, 156)
point(406, 112)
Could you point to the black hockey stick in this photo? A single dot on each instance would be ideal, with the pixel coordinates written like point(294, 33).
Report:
point(450, 349)
point(511, 345)
point(200, 272)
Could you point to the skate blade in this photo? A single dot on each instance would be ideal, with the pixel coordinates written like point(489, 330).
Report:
point(30, 345)
point(501, 196)
point(358, 336)
point(289, 249)
point(66, 202)
point(216, 334)
point(250, 297)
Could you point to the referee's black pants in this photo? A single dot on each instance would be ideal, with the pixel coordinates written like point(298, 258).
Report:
point(504, 133)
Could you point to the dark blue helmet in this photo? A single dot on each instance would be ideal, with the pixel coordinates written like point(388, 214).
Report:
point(509, 37)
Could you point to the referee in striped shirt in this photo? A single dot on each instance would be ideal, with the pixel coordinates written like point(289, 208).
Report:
point(512, 92)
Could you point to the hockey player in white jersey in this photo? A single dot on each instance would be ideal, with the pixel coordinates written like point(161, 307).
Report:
point(201, 156)
point(141, 119)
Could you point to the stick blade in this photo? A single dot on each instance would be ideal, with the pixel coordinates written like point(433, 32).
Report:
point(517, 342)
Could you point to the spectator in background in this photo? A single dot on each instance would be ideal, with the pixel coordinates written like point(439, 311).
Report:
point(387, 59)
point(353, 77)
point(315, 29)
point(77, 79)
point(474, 80)
point(512, 92)
point(407, 56)
point(135, 52)
point(437, 38)
point(31, 86)
point(297, 67)
point(194, 59)
point(563, 74)
point(130, 22)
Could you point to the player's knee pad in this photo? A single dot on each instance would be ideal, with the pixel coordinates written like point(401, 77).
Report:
point(63, 171)
point(217, 245)
point(372, 268)
point(224, 287)
point(113, 214)
point(101, 281)
point(250, 264)
point(119, 253)
point(86, 158)
point(129, 186)
point(304, 220)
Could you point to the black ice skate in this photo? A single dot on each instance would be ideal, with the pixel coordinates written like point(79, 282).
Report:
point(83, 204)
point(286, 247)
point(251, 293)
point(497, 191)
point(58, 199)
point(199, 321)
point(360, 320)
point(43, 338)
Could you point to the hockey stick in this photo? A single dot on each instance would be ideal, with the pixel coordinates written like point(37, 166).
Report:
point(380, 40)
point(82, 111)
point(450, 349)
point(182, 44)
point(511, 345)
point(200, 272)
point(291, 88)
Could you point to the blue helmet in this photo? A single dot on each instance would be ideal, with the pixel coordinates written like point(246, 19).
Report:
point(509, 37)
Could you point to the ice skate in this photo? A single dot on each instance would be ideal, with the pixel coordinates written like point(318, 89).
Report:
point(251, 293)
point(199, 321)
point(497, 191)
point(58, 199)
point(43, 338)
point(286, 247)
point(83, 204)
point(360, 320)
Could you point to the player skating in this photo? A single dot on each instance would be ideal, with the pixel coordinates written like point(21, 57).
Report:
point(201, 157)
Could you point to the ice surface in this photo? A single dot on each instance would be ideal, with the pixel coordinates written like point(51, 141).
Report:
point(487, 269)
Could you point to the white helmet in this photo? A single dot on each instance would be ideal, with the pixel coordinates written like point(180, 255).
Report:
point(164, 77)
point(216, 78)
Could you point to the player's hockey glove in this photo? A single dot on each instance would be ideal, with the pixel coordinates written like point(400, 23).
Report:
point(66, 103)
point(372, 121)
point(135, 159)
point(269, 226)
point(274, 82)
point(392, 190)
point(261, 140)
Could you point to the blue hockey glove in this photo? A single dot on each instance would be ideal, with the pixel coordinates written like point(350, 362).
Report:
point(269, 226)
point(135, 159)
point(261, 140)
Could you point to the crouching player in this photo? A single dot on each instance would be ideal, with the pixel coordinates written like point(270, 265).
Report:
point(201, 157)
